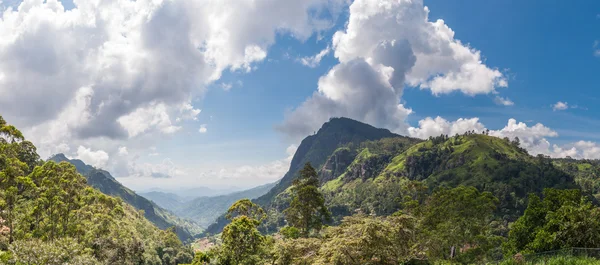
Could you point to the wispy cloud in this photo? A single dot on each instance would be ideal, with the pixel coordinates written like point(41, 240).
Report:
point(503, 101)
point(315, 60)
point(560, 106)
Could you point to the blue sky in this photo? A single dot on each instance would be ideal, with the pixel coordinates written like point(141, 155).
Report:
point(544, 50)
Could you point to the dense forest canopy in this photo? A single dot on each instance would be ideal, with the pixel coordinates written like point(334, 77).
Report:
point(50, 215)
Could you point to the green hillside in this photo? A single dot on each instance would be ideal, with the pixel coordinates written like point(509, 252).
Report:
point(316, 149)
point(364, 169)
point(107, 184)
point(376, 183)
point(49, 214)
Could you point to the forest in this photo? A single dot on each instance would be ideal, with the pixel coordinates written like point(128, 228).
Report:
point(372, 198)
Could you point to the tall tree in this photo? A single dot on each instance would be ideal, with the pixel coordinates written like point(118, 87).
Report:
point(307, 209)
point(242, 242)
point(562, 219)
point(456, 218)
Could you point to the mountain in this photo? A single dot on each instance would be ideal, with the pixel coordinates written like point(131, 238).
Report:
point(317, 148)
point(107, 184)
point(204, 210)
point(377, 183)
point(192, 193)
point(165, 200)
point(370, 170)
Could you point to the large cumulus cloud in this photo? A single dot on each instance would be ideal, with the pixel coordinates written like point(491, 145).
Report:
point(113, 73)
point(386, 45)
point(534, 138)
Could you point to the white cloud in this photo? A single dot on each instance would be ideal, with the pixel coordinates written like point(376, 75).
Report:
point(188, 112)
point(165, 169)
point(315, 60)
point(443, 64)
point(267, 172)
point(385, 45)
point(203, 128)
point(145, 118)
point(97, 158)
point(560, 106)
point(226, 86)
point(114, 60)
point(503, 101)
point(533, 138)
point(123, 151)
point(168, 175)
point(438, 126)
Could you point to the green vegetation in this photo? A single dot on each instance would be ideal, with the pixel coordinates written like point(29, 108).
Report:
point(107, 184)
point(307, 211)
point(559, 260)
point(49, 215)
point(467, 199)
point(563, 219)
point(461, 199)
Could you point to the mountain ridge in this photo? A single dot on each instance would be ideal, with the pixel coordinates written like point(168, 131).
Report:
point(107, 184)
point(204, 210)
point(370, 170)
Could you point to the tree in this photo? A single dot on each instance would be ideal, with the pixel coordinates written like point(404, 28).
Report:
point(307, 209)
point(370, 240)
point(562, 219)
point(456, 218)
point(247, 208)
point(201, 258)
point(242, 242)
point(49, 215)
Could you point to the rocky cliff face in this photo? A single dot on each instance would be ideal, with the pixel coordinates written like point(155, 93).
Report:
point(336, 164)
point(369, 167)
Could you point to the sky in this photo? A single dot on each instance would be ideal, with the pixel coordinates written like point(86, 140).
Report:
point(179, 94)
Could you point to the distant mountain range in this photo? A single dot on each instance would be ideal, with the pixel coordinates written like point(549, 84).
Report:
point(203, 210)
point(107, 184)
point(192, 193)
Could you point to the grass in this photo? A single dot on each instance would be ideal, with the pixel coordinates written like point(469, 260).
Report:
point(557, 260)
point(333, 184)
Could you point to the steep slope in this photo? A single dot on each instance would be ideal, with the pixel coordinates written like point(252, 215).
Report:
point(586, 173)
point(316, 149)
point(380, 176)
point(377, 184)
point(107, 184)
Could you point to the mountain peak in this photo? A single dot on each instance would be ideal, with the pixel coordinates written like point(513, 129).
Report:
point(344, 124)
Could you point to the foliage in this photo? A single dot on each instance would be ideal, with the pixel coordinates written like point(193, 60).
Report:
point(200, 258)
point(247, 208)
point(357, 240)
point(107, 184)
point(558, 260)
point(242, 243)
point(307, 209)
point(57, 252)
point(562, 219)
point(456, 218)
point(289, 232)
point(49, 215)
